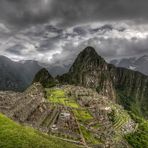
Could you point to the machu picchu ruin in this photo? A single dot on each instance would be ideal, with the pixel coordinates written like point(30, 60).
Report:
point(81, 108)
point(72, 113)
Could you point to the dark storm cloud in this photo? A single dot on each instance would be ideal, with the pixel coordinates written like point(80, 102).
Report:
point(70, 12)
point(104, 28)
point(48, 45)
point(16, 49)
point(79, 31)
point(73, 11)
point(119, 47)
point(24, 12)
point(55, 31)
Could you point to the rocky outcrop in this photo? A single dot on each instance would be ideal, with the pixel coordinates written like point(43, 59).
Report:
point(44, 78)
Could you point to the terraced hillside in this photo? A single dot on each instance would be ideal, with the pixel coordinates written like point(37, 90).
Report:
point(93, 115)
point(77, 117)
point(114, 121)
point(30, 108)
point(70, 113)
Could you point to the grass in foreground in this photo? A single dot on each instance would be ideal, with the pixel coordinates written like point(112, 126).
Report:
point(13, 135)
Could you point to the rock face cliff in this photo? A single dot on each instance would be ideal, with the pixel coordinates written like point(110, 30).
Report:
point(131, 89)
point(126, 87)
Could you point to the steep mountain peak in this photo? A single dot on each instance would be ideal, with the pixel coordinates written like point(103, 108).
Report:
point(124, 86)
point(90, 70)
point(44, 71)
point(44, 77)
point(89, 49)
point(89, 52)
point(87, 59)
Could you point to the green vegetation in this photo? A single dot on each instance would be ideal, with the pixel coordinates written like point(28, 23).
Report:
point(82, 115)
point(13, 135)
point(119, 119)
point(129, 102)
point(96, 126)
point(44, 78)
point(139, 139)
point(118, 116)
point(58, 96)
point(89, 137)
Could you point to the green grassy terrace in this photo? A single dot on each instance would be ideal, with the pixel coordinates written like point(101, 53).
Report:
point(58, 96)
point(82, 115)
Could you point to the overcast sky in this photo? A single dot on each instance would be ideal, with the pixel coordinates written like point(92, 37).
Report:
point(55, 31)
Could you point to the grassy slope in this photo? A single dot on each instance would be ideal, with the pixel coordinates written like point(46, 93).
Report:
point(13, 135)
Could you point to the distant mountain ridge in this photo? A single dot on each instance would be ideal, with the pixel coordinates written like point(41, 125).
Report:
point(17, 76)
point(133, 63)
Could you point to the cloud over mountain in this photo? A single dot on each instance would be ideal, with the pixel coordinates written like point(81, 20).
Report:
point(54, 32)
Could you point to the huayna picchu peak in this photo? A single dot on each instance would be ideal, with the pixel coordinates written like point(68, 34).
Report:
point(94, 105)
point(127, 87)
point(90, 70)
point(89, 52)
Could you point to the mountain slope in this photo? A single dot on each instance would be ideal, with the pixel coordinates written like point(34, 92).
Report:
point(131, 89)
point(44, 78)
point(136, 64)
point(126, 87)
point(15, 75)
